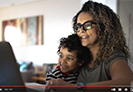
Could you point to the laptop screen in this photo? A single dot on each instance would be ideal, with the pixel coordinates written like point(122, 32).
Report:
point(10, 76)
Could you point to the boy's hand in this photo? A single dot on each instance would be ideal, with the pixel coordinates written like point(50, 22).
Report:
point(55, 85)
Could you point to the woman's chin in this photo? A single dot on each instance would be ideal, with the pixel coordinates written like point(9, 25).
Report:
point(84, 44)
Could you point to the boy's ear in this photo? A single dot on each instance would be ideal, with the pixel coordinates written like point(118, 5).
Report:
point(80, 64)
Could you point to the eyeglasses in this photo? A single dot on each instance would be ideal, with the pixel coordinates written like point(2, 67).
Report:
point(86, 26)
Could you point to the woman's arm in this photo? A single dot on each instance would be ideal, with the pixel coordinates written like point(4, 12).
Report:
point(59, 85)
point(121, 74)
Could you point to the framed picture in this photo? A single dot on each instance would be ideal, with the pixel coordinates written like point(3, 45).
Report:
point(23, 31)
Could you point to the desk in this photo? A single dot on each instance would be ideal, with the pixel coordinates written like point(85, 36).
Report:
point(39, 78)
point(35, 86)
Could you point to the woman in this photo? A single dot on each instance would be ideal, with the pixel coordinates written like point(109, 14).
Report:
point(99, 29)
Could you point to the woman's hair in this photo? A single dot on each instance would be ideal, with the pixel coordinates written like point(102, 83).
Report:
point(72, 43)
point(110, 32)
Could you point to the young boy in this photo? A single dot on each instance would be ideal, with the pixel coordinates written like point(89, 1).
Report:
point(72, 55)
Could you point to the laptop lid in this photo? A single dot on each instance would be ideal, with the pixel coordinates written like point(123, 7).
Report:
point(10, 76)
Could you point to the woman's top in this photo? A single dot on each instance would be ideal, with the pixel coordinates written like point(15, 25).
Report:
point(56, 73)
point(100, 72)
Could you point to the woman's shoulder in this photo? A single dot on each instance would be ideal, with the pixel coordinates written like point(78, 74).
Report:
point(116, 54)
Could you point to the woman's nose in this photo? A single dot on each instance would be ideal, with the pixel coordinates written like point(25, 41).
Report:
point(82, 29)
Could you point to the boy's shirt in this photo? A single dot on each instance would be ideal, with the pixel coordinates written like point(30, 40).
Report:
point(56, 73)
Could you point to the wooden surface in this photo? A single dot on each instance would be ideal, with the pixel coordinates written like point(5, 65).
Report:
point(39, 78)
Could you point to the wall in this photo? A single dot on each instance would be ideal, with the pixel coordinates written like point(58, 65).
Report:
point(111, 3)
point(126, 18)
point(57, 23)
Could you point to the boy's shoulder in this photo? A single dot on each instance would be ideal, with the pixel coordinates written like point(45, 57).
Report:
point(55, 72)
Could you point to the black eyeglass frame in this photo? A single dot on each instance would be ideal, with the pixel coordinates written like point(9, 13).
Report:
point(82, 25)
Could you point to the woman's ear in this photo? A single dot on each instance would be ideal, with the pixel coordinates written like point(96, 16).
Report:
point(81, 63)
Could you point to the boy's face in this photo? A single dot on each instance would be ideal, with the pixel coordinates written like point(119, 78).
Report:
point(68, 61)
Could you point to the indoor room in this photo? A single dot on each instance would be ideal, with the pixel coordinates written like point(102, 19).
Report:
point(34, 27)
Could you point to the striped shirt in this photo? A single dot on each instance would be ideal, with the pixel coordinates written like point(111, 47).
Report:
point(56, 73)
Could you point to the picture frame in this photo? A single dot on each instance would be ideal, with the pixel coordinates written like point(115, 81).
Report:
point(23, 31)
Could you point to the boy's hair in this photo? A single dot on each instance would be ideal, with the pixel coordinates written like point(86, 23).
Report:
point(110, 32)
point(72, 43)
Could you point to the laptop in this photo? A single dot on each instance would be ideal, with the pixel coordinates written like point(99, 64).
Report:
point(10, 76)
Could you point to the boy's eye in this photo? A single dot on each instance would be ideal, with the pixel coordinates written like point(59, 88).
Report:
point(70, 58)
point(61, 56)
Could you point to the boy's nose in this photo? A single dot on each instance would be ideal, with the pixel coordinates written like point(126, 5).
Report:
point(63, 61)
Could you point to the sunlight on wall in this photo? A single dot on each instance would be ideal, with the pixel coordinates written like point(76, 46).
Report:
point(12, 35)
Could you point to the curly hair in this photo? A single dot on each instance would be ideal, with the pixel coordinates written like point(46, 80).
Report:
point(110, 32)
point(72, 43)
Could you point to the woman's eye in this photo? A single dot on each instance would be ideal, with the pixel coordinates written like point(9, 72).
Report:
point(78, 30)
point(78, 27)
point(88, 27)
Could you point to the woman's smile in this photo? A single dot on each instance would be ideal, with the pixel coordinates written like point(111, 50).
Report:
point(84, 37)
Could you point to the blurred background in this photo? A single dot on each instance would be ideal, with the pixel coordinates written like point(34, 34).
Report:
point(57, 18)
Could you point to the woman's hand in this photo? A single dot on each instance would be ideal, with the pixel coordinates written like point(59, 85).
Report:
point(56, 84)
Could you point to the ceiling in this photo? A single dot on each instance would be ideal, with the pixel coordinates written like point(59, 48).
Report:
point(6, 3)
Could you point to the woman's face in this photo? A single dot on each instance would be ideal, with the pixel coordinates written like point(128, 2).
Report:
point(88, 37)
